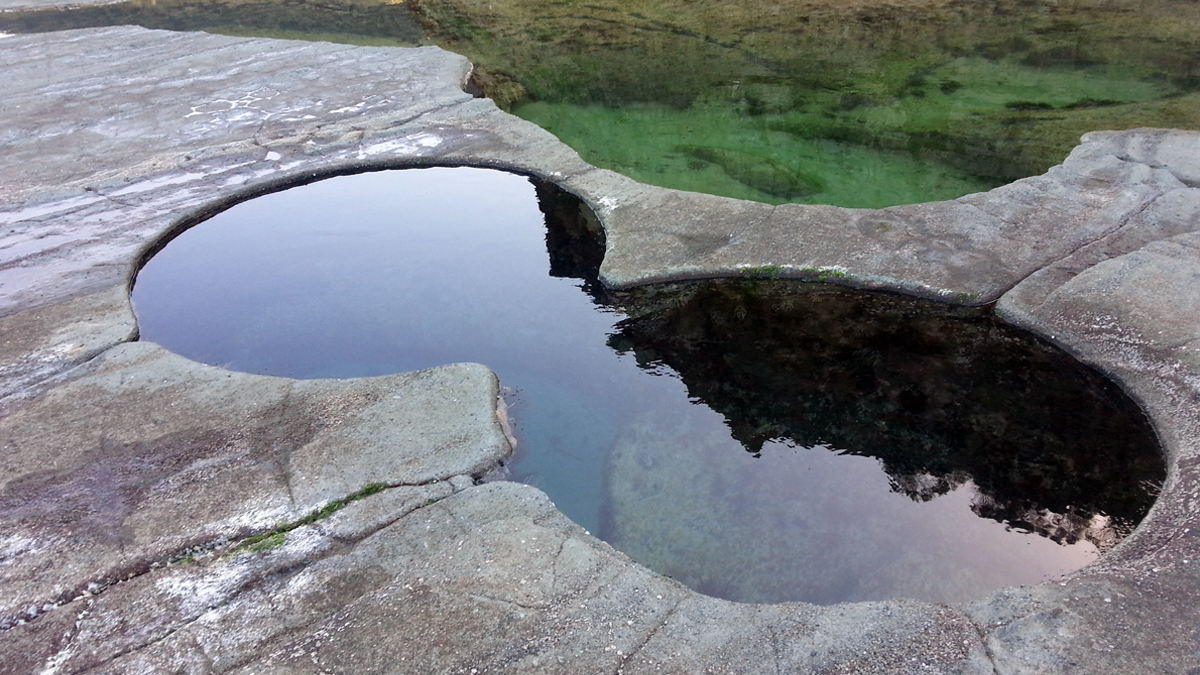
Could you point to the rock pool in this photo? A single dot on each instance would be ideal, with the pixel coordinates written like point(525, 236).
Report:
point(759, 440)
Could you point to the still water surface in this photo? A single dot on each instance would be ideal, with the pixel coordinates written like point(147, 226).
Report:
point(759, 441)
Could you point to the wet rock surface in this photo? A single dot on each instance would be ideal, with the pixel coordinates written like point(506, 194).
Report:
point(131, 475)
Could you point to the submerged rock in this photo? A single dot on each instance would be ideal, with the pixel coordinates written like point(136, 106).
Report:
point(758, 172)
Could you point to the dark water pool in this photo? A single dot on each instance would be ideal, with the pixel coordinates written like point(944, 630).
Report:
point(758, 440)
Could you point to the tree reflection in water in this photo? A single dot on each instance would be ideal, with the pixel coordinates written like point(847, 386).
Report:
point(939, 394)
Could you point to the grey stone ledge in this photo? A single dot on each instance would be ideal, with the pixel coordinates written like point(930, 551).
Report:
point(24, 5)
point(129, 471)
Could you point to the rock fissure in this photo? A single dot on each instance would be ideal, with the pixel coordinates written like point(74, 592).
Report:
point(254, 138)
point(983, 642)
point(60, 658)
point(554, 572)
point(153, 640)
point(403, 121)
point(292, 566)
point(331, 507)
point(18, 386)
point(775, 652)
point(109, 198)
point(992, 218)
point(1192, 345)
point(87, 591)
point(384, 524)
point(650, 636)
point(249, 583)
point(1159, 165)
point(541, 607)
point(218, 549)
point(1099, 238)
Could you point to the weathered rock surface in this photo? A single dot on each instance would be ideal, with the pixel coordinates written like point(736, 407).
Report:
point(14, 5)
point(130, 473)
point(969, 250)
point(148, 455)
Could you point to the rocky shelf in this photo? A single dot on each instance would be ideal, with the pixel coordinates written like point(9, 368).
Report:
point(165, 516)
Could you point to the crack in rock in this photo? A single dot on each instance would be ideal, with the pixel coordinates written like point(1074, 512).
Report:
point(217, 549)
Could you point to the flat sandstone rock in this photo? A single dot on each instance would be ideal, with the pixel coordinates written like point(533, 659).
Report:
point(132, 477)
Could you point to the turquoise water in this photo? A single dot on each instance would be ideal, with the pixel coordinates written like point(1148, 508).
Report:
point(760, 441)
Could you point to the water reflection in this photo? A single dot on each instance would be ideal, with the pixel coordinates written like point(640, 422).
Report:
point(759, 441)
point(940, 396)
point(838, 445)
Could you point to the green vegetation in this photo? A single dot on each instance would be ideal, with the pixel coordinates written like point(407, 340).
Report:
point(277, 536)
point(756, 171)
point(262, 544)
point(856, 103)
point(358, 22)
point(764, 271)
point(823, 274)
point(804, 273)
point(711, 149)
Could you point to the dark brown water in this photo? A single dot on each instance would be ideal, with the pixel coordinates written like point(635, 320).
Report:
point(757, 440)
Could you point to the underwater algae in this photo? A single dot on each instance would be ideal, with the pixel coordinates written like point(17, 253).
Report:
point(972, 94)
point(858, 104)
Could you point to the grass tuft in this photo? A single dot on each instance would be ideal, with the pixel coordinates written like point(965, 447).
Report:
point(276, 537)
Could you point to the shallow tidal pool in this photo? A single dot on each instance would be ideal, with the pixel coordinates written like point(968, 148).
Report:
point(760, 441)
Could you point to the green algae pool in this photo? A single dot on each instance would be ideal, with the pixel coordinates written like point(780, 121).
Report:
point(853, 103)
point(858, 103)
point(712, 149)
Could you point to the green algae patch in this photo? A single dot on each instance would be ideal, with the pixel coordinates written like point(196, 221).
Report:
point(277, 536)
point(857, 103)
point(757, 171)
point(711, 149)
point(854, 104)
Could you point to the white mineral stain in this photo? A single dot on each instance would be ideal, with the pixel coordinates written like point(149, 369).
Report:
point(402, 146)
point(155, 183)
